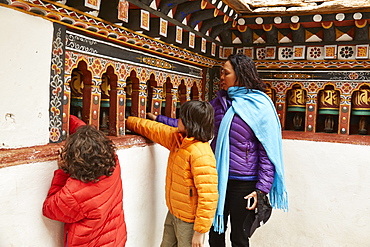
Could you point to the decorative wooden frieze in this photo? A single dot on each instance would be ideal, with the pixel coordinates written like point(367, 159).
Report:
point(59, 92)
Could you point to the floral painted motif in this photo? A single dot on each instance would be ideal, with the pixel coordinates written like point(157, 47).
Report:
point(280, 87)
point(54, 134)
point(315, 52)
point(346, 52)
point(353, 75)
point(261, 53)
point(56, 85)
point(313, 87)
point(286, 53)
point(347, 87)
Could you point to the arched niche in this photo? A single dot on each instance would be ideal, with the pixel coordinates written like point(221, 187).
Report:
point(295, 108)
point(150, 87)
point(167, 106)
point(76, 85)
point(128, 91)
point(135, 86)
point(328, 101)
point(194, 92)
point(181, 96)
point(81, 94)
point(360, 111)
point(108, 103)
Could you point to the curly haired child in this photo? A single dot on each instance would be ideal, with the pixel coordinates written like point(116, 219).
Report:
point(191, 179)
point(86, 190)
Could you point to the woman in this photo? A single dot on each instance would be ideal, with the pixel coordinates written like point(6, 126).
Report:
point(247, 147)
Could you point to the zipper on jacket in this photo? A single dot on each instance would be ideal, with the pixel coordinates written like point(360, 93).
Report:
point(191, 191)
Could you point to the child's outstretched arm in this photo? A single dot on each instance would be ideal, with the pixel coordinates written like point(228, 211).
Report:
point(157, 132)
point(163, 119)
point(60, 204)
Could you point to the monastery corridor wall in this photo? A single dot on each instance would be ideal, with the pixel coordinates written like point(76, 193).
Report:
point(326, 173)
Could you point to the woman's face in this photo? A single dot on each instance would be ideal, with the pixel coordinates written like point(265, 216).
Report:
point(228, 77)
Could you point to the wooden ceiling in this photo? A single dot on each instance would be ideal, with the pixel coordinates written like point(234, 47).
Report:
point(226, 23)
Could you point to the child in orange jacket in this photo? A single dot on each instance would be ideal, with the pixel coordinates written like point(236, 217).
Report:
point(86, 191)
point(191, 180)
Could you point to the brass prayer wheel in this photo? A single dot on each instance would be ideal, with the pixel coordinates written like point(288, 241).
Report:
point(296, 100)
point(271, 93)
point(361, 102)
point(329, 101)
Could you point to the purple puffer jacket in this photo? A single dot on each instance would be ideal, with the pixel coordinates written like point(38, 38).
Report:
point(167, 120)
point(248, 158)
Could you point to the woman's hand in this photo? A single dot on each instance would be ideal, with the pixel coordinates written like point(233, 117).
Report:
point(254, 196)
point(198, 239)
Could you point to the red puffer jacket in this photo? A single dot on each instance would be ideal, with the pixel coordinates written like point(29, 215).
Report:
point(92, 212)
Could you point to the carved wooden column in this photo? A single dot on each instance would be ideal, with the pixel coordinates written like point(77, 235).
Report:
point(91, 105)
point(173, 102)
point(156, 105)
point(280, 106)
point(117, 110)
point(311, 107)
point(311, 117)
point(66, 109)
point(344, 119)
point(135, 101)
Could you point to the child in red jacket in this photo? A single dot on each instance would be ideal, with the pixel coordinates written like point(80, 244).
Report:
point(86, 191)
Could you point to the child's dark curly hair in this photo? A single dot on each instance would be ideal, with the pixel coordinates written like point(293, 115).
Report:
point(88, 154)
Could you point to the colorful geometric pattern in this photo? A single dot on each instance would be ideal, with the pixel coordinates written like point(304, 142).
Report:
point(345, 33)
point(57, 85)
point(249, 51)
point(314, 35)
point(285, 35)
point(299, 52)
point(271, 52)
point(330, 51)
point(362, 51)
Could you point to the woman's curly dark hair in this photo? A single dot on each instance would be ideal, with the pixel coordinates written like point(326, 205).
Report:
point(246, 72)
point(88, 154)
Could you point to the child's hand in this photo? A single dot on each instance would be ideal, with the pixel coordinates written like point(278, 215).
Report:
point(151, 116)
point(198, 239)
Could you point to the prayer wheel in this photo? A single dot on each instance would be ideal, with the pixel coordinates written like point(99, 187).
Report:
point(296, 100)
point(329, 102)
point(361, 102)
point(271, 93)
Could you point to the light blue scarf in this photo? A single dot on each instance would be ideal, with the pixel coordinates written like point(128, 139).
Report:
point(258, 111)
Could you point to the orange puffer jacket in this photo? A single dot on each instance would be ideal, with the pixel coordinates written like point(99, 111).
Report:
point(92, 212)
point(191, 179)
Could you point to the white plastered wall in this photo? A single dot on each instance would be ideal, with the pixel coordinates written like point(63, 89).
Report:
point(327, 183)
point(25, 54)
point(23, 189)
point(329, 200)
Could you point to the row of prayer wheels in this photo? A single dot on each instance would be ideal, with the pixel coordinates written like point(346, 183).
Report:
point(329, 102)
